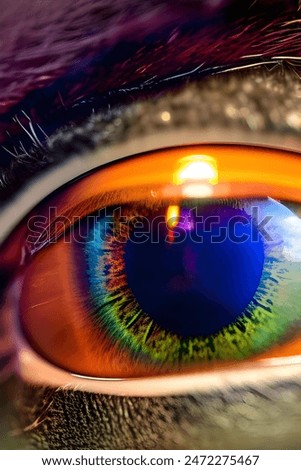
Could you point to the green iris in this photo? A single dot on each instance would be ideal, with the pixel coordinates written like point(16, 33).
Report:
point(220, 293)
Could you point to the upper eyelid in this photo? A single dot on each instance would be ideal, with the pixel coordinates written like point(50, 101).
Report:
point(231, 93)
point(140, 128)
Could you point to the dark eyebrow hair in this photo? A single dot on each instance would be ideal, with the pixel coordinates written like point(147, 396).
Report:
point(54, 39)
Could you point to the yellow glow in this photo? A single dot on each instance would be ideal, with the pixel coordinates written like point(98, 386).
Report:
point(172, 216)
point(197, 190)
point(165, 116)
point(196, 168)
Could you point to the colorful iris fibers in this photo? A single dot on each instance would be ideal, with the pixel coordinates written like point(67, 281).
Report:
point(196, 281)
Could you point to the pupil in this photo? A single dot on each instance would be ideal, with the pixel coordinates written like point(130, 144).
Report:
point(199, 276)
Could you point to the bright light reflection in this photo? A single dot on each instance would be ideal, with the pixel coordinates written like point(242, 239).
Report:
point(194, 168)
point(172, 216)
point(197, 190)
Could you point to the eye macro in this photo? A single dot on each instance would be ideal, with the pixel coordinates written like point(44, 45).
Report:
point(133, 272)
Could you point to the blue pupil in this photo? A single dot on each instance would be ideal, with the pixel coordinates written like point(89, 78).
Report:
point(200, 280)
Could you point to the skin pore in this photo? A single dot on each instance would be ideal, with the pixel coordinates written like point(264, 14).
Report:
point(254, 98)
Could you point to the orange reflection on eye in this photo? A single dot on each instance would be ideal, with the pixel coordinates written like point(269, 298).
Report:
point(199, 168)
point(59, 313)
point(241, 172)
point(172, 216)
point(57, 324)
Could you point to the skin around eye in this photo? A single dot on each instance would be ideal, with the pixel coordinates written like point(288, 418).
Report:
point(170, 282)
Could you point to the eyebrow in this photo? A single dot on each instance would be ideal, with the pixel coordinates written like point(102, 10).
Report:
point(134, 39)
point(60, 62)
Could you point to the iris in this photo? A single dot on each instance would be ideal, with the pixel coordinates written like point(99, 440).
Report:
point(218, 282)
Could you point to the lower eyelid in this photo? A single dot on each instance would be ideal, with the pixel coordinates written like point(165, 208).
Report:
point(266, 372)
point(238, 418)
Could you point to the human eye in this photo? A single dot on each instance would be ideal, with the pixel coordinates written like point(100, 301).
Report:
point(232, 107)
point(179, 271)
